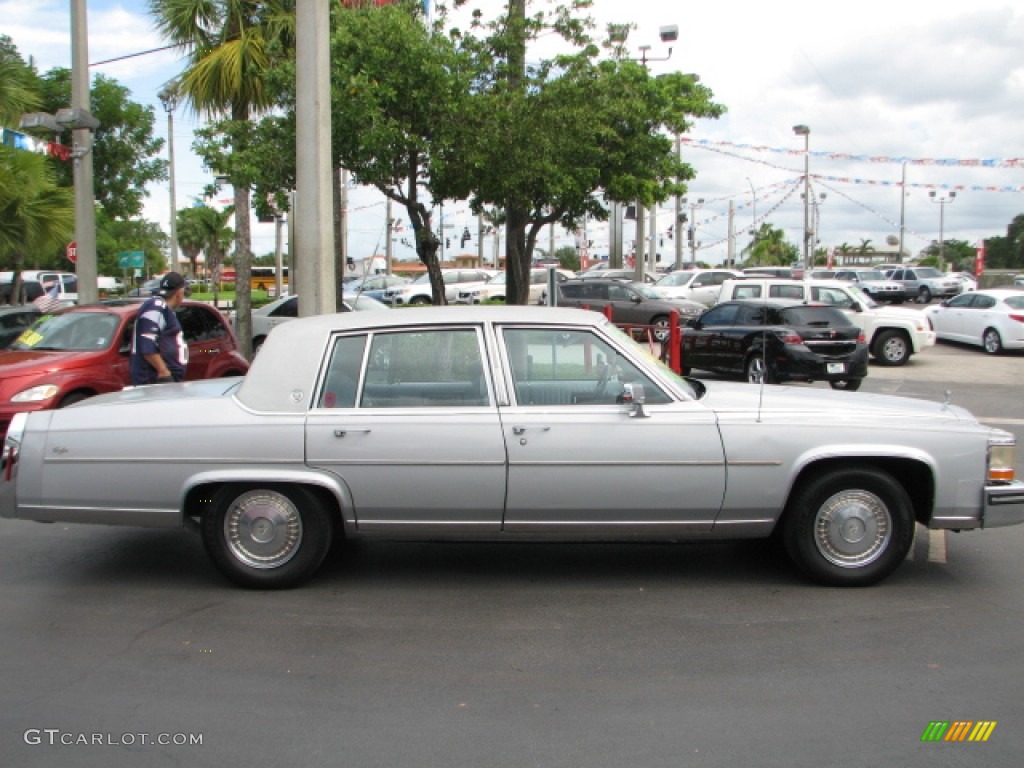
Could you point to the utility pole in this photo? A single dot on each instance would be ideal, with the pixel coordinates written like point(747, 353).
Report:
point(85, 210)
point(313, 258)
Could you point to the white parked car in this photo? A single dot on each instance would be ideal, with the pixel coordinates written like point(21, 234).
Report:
point(968, 282)
point(269, 316)
point(992, 319)
point(494, 289)
point(420, 292)
point(701, 285)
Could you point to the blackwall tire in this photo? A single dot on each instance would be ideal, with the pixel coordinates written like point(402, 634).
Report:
point(849, 527)
point(267, 537)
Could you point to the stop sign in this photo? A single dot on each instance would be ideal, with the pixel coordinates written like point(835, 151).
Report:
point(72, 251)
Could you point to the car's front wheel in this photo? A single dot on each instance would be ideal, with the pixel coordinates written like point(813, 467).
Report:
point(271, 537)
point(849, 527)
point(925, 295)
point(992, 341)
point(891, 348)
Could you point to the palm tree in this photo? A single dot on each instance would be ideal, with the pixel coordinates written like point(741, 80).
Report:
point(17, 94)
point(36, 216)
point(228, 43)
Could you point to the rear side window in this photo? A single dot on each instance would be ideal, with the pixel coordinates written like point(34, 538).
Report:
point(786, 291)
point(747, 292)
point(816, 316)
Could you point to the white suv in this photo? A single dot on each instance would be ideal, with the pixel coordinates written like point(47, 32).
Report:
point(893, 333)
point(494, 289)
point(419, 290)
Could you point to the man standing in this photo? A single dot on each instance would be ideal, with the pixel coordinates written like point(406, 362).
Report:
point(159, 352)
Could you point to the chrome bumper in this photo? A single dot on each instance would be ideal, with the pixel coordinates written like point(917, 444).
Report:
point(1004, 505)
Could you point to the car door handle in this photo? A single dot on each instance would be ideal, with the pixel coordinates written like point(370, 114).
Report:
point(522, 430)
point(344, 432)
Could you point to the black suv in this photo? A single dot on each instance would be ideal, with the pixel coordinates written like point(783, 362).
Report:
point(771, 342)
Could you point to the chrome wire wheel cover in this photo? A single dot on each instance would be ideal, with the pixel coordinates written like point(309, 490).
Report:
point(263, 529)
point(852, 528)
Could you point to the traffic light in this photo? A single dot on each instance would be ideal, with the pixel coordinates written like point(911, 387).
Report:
point(447, 242)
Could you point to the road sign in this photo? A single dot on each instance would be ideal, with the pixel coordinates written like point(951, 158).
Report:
point(131, 259)
point(72, 252)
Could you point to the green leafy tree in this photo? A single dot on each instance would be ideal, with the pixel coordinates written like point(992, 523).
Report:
point(202, 229)
point(36, 215)
point(231, 46)
point(126, 156)
point(770, 248)
point(1007, 252)
point(19, 85)
point(399, 92)
point(541, 141)
point(116, 236)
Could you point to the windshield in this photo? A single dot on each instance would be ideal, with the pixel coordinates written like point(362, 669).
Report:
point(676, 278)
point(424, 278)
point(682, 383)
point(871, 274)
point(70, 332)
point(860, 294)
point(646, 291)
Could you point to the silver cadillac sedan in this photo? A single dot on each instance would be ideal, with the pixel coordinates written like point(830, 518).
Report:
point(504, 423)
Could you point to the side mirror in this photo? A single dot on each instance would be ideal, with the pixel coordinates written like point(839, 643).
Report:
point(692, 323)
point(633, 394)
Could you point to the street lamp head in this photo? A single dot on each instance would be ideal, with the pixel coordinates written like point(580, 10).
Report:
point(952, 194)
point(801, 130)
point(41, 120)
point(669, 34)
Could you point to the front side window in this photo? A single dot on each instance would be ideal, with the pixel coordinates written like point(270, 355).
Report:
point(721, 315)
point(571, 367)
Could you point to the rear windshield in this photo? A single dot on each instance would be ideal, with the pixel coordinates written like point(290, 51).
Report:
point(813, 316)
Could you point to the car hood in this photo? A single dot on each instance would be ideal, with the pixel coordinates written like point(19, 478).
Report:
point(824, 404)
point(24, 362)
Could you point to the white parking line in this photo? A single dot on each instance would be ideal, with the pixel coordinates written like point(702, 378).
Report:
point(936, 546)
point(928, 545)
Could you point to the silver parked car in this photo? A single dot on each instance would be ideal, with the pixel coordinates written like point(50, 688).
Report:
point(505, 423)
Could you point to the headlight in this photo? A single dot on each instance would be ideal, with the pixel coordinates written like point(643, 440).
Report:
point(1002, 457)
point(36, 394)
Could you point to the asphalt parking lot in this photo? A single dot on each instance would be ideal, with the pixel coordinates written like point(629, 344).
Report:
point(125, 647)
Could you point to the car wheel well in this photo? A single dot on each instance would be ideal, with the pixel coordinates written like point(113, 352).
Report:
point(915, 477)
point(76, 396)
point(199, 499)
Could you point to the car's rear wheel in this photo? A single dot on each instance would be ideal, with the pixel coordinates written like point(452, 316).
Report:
point(847, 385)
point(891, 348)
point(660, 328)
point(271, 537)
point(924, 295)
point(849, 527)
point(757, 371)
point(992, 341)
point(420, 300)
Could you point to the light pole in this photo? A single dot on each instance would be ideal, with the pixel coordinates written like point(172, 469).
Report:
point(617, 34)
point(943, 201)
point(803, 130)
point(170, 100)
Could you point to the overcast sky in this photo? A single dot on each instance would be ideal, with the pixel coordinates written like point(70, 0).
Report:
point(936, 84)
